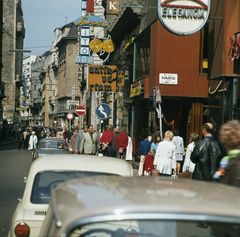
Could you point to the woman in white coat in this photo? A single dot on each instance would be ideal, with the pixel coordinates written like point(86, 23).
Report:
point(165, 158)
point(33, 142)
point(129, 149)
point(188, 165)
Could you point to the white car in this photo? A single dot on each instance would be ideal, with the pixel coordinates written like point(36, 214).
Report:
point(113, 206)
point(47, 172)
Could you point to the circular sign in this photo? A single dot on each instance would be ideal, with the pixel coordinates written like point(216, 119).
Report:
point(103, 111)
point(96, 45)
point(70, 116)
point(80, 110)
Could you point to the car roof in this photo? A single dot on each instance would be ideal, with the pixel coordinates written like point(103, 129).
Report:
point(82, 162)
point(116, 196)
point(52, 139)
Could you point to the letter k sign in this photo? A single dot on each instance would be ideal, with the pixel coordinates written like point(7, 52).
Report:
point(113, 6)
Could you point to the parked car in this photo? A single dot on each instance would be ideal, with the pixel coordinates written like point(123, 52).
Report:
point(51, 145)
point(142, 207)
point(49, 171)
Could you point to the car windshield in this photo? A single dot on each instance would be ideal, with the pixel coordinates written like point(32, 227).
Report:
point(157, 228)
point(44, 181)
point(52, 144)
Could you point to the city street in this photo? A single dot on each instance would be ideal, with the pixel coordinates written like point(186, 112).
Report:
point(15, 165)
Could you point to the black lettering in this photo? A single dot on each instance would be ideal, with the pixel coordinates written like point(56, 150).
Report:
point(110, 79)
point(91, 70)
point(164, 11)
point(174, 12)
point(101, 68)
point(109, 71)
point(105, 70)
point(107, 88)
point(96, 87)
point(96, 70)
point(117, 89)
point(104, 79)
point(91, 86)
point(100, 87)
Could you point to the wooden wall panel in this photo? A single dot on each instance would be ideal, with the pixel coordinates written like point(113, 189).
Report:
point(171, 53)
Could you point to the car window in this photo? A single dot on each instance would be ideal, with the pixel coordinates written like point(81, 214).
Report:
point(53, 144)
point(157, 228)
point(44, 181)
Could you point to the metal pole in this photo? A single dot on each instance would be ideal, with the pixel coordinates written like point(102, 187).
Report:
point(132, 124)
point(112, 105)
point(235, 92)
point(160, 119)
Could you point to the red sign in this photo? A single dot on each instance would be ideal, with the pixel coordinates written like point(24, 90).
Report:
point(80, 110)
point(70, 116)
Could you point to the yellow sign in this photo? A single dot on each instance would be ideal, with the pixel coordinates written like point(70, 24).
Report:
point(96, 45)
point(19, 108)
point(105, 78)
point(91, 20)
point(135, 91)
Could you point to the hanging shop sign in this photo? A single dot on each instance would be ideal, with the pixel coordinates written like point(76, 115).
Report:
point(113, 7)
point(91, 20)
point(137, 90)
point(169, 79)
point(183, 17)
point(105, 78)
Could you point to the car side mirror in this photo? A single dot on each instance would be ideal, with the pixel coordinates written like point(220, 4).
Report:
point(25, 179)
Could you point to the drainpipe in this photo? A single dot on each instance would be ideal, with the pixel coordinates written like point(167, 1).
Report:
point(234, 99)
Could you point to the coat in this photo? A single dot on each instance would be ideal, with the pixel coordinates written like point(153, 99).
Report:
point(232, 175)
point(33, 142)
point(78, 140)
point(129, 149)
point(89, 144)
point(188, 163)
point(207, 155)
point(73, 142)
point(165, 157)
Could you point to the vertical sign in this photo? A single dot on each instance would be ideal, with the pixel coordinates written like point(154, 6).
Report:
point(73, 92)
point(113, 7)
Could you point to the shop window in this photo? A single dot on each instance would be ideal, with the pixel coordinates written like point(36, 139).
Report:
point(142, 62)
point(203, 62)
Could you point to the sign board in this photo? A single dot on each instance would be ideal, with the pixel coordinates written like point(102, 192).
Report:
point(70, 116)
point(103, 111)
point(80, 110)
point(20, 108)
point(113, 7)
point(72, 102)
point(170, 79)
point(183, 17)
point(105, 78)
point(73, 92)
point(158, 96)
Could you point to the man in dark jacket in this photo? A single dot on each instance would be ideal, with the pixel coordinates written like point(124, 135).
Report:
point(207, 155)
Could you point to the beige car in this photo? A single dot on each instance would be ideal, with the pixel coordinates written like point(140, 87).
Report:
point(142, 207)
point(49, 171)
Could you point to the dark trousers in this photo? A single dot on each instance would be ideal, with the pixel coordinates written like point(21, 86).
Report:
point(108, 151)
point(20, 144)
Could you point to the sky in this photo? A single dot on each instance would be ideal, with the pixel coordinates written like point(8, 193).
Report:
point(41, 17)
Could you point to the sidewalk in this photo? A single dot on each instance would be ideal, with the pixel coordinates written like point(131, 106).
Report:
point(3, 143)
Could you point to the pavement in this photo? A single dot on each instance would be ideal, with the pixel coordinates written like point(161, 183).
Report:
point(3, 143)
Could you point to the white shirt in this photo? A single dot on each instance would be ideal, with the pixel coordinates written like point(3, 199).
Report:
point(165, 158)
point(188, 162)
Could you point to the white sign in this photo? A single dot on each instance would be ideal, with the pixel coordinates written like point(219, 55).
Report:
point(170, 79)
point(73, 92)
point(183, 17)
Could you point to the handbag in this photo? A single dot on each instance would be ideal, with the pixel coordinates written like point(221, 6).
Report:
point(185, 175)
point(155, 173)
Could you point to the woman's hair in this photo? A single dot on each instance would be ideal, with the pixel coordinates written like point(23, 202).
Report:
point(194, 137)
point(155, 141)
point(230, 135)
point(110, 127)
point(168, 135)
point(152, 152)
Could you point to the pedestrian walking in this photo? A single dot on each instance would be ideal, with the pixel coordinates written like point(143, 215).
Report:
point(178, 141)
point(89, 142)
point(106, 141)
point(121, 143)
point(154, 145)
point(114, 148)
point(20, 138)
point(156, 134)
point(73, 142)
point(129, 149)
point(144, 148)
point(229, 168)
point(188, 166)
point(33, 142)
point(165, 158)
point(79, 139)
point(207, 155)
